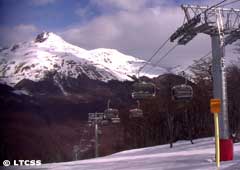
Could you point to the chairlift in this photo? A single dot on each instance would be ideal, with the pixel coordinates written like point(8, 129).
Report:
point(90, 123)
point(137, 112)
point(182, 91)
point(99, 132)
point(143, 90)
point(116, 120)
point(111, 114)
point(104, 122)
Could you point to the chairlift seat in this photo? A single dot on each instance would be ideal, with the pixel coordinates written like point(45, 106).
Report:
point(182, 92)
point(111, 113)
point(143, 90)
point(99, 132)
point(136, 113)
point(104, 122)
point(116, 120)
point(90, 123)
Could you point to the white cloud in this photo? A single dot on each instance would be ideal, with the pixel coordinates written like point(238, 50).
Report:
point(134, 27)
point(82, 12)
point(25, 28)
point(19, 33)
point(122, 4)
point(136, 33)
point(138, 27)
point(42, 2)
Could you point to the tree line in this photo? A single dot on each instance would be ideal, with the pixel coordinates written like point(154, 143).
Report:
point(166, 120)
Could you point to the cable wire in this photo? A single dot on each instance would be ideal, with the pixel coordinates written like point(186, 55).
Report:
point(164, 56)
point(154, 54)
point(229, 3)
point(206, 55)
point(214, 6)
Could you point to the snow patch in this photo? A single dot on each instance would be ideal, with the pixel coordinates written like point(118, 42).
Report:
point(21, 92)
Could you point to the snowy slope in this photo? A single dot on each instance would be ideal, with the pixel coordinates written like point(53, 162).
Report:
point(183, 156)
point(50, 53)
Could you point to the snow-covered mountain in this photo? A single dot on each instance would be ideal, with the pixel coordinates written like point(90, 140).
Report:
point(50, 53)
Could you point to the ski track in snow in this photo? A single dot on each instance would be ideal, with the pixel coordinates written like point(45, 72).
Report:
point(183, 156)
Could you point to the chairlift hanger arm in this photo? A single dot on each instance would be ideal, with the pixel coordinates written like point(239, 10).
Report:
point(138, 104)
point(108, 103)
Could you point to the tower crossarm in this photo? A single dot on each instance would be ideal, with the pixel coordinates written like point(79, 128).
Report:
point(232, 37)
point(230, 16)
point(204, 19)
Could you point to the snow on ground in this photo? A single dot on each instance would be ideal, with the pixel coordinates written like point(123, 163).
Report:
point(183, 156)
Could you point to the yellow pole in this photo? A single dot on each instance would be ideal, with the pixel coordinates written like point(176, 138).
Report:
point(217, 146)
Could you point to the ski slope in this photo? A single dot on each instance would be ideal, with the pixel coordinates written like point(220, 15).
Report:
point(183, 156)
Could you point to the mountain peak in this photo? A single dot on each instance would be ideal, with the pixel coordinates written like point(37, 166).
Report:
point(47, 36)
point(42, 37)
point(49, 53)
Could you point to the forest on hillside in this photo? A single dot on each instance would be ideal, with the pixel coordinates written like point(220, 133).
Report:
point(32, 133)
point(166, 120)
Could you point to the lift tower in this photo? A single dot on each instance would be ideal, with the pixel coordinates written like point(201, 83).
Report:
point(223, 26)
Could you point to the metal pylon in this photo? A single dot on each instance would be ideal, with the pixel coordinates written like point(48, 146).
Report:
point(223, 25)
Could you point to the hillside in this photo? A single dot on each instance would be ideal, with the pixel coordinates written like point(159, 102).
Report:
point(183, 156)
point(51, 86)
point(37, 115)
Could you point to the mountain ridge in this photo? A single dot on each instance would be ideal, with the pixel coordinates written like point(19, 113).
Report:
point(49, 53)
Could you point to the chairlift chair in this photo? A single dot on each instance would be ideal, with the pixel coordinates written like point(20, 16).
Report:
point(143, 90)
point(90, 122)
point(104, 122)
point(137, 112)
point(99, 132)
point(116, 120)
point(111, 114)
point(182, 92)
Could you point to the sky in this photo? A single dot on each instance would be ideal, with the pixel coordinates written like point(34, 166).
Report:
point(134, 27)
